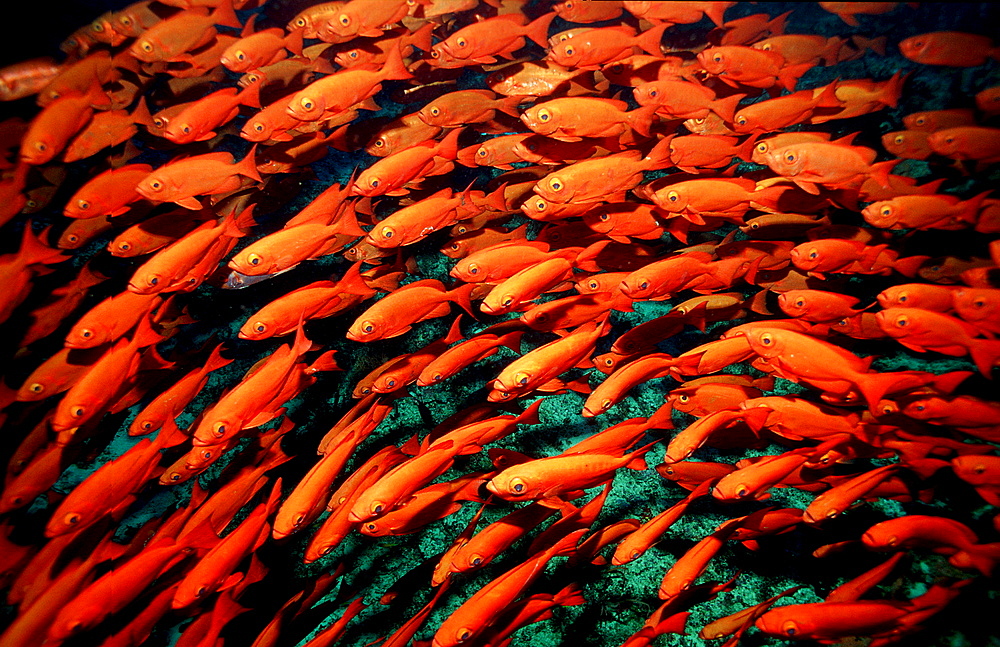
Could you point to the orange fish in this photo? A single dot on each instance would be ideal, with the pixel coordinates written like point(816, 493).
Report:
point(198, 121)
point(171, 39)
point(597, 47)
point(736, 65)
point(977, 143)
point(572, 118)
point(396, 312)
point(405, 169)
point(181, 180)
point(109, 193)
point(483, 41)
point(952, 48)
point(924, 330)
point(51, 131)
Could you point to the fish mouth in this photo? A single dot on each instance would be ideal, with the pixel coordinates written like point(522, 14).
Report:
point(492, 488)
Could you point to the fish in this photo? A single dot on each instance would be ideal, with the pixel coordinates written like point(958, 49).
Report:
point(181, 180)
point(484, 41)
point(394, 314)
point(952, 48)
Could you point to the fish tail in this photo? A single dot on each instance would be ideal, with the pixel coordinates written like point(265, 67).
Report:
point(985, 354)
point(538, 29)
point(462, 295)
point(394, 67)
point(248, 165)
point(225, 16)
point(908, 266)
point(649, 41)
point(726, 107)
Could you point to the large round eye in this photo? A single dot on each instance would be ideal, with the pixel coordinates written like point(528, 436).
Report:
point(482, 152)
point(979, 303)
point(86, 333)
point(886, 211)
point(260, 326)
point(898, 140)
point(741, 120)
point(159, 123)
point(902, 297)
point(156, 185)
point(41, 146)
point(259, 127)
point(377, 507)
point(153, 280)
point(435, 111)
point(517, 486)
point(762, 147)
point(605, 217)
point(644, 285)
point(373, 183)
point(521, 378)
point(473, 268)
point(124, 246)
point(83, 205)
point(555, 184)
point(367, 326)
point(920, 121)
point(569, 50)
point(593, 284)
point(146, 46)
point(200, 592)
point(387, 232)
point(800, 302)
point(35, 387)
point(902, 321)
point(174, 476)
point(205, 454)
point(353, 54)
point(766, 339)
point(253, 259)
point(507, 300)
point(390, 383)
point(71, 519)
point(606, 404)
point(461, 42)
point(813, 254)
point(186, 129)
point(73, 238)
point(344, 19)
point(219, 431)
point(240, 56)
point(306, 103)
point(436, 377)
point(683, 398)
point(673, 196)
point(653, 92)
point(789, 628)
point(717, 58)
point(544, 114)
point(540, 205)
point(742, 491)
point(475, 560)
point(766, 47)
point(301, 22)
point(252, 78)
point(789, 157)
point(78, 412)
point(146, 425)
point(463, 635)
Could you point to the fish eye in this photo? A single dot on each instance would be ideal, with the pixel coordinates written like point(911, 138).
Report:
point(555, 184)
point(35, 387)
point(766, 47)
point(461, 42)
point(206, 454)
point(200, 592)
point(606, 404)
point(86, 333)
point(72, 519)
point(373, 183)
point(644, 285)
point(83, 205)
point(569, 50)
point(949, 139)
point(435, 111)
point(762, 147)
point(521, 378)
point(146, 46)
point(377, 507)
point(185, 129)
point(717, 58)
point(297, 521)
point(344, 19)
point(481, 152)
point(540, 205)
point(475, 560)
point(979, 468)
point(259, 127)
point(252, 78)
point(387, 232)
point(353, 53)
point(473, 268)
point(463, 635)
point(920, 121)
point(435, 53)
point(766, 339)
point(367, 327)
point(156, 185)
point(517, 485)
point(301, 22)
point(240, 56)
point(78, 412)
point(886, 210)
point(125, 20)
point(742, 491)
point(462, 229)
point(507, 300)
point(124, 246)
point(436, 377)
point(174, 476)
point(790, 157)
point(898, 140)
point(390, 383)
point(979, 303)
point(683, 398)
point(741, 120)
point(73, 238)
point(790, 628)
point(254, 259)
point(902, 321)
point(145, 425)
point(673, 196)
point(260, 326)
point(653, 92)
point(800, 302)
point(902, 298)
point(371, 526)
point(158, 122)
point(220, 430)
point(544, 115)
point(593, 284)
point(604, 217)
point(306, 103)
point(813, 254)
point(41, 146)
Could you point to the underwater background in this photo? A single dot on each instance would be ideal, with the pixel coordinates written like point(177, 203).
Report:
point(618, 599)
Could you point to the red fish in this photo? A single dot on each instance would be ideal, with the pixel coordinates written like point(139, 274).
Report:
point(209, 174)
point(483, 41)
point(953, 48)
point(395, 313)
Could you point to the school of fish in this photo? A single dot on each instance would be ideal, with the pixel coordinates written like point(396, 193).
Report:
point(508, 322)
